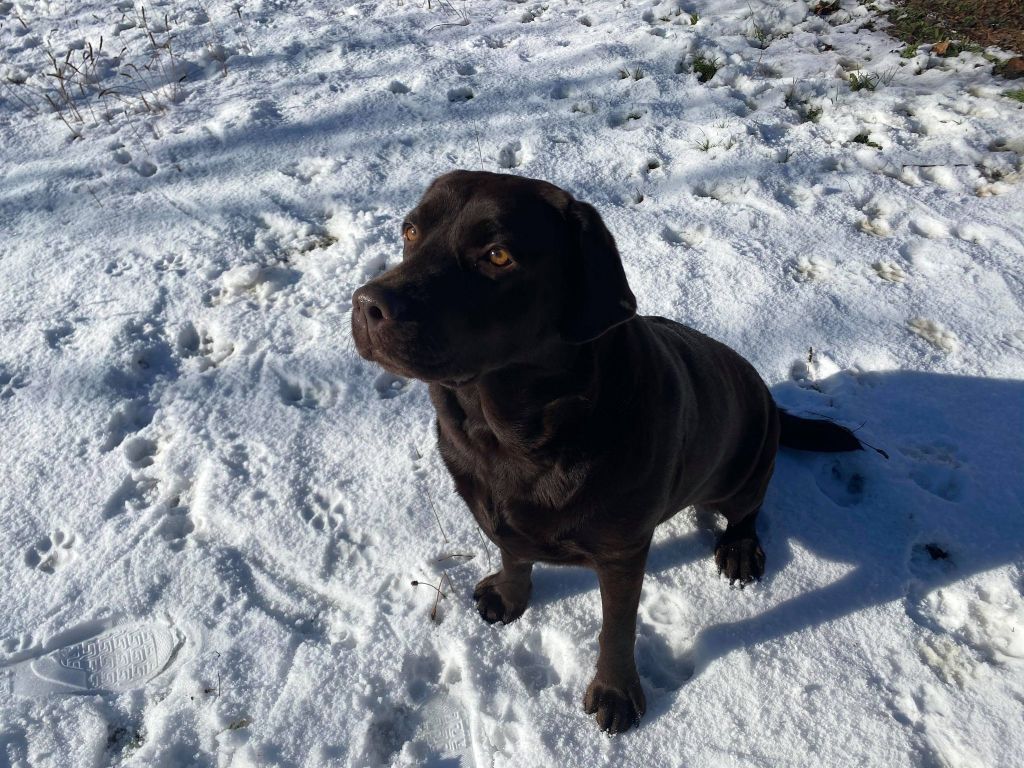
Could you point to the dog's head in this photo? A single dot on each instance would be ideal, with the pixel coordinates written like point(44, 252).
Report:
point(495, 268)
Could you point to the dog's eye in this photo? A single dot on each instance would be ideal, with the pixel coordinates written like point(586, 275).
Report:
point(410, 233)
point(499, 257)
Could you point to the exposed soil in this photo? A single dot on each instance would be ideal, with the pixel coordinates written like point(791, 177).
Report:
point(982, 22)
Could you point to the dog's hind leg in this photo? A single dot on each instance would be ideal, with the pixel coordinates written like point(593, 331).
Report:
point(503, 596)
point(738, 552)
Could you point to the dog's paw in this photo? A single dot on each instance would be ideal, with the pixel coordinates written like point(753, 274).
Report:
point(499, 598)
point(617, 706)
point(740, 560)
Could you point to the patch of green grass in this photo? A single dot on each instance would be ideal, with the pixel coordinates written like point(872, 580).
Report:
point(860, 81)
point(123, 741)
point(694, 18)
point(704, 68)
point(864, 138)
point(1016, 95)
point(909, 52)
point(761, 35)
point(917, 25)
point(703, 144)
point(808, 112)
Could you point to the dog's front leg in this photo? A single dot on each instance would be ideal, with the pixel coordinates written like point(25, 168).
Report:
point(503, 596)
point(615, 695)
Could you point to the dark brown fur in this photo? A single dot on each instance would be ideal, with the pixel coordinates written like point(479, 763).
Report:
point(571, 426)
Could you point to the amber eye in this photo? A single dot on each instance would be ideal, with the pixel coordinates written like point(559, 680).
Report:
point(499, 257)
point(410, 233)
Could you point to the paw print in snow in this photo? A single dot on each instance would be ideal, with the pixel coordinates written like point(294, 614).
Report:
point(812, 269)
point(209, 351)
point(935, 334)
point(889, 272)
point(323, 514)
point(51, 552)
point(10, 383)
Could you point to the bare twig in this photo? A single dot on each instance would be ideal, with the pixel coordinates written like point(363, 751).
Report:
point(438, 590)
point(436, 516)
point(454, 554)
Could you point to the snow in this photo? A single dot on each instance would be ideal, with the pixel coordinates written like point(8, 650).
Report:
point(192, 448)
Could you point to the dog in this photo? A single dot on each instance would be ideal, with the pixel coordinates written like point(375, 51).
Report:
point(571, 426)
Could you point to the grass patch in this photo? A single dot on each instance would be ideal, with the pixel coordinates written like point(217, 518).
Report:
point(863, 138)
point(139, 76)
point(1017, 95)
point(761, 35)
point(703, 144)
point(869, 81)
point(860, 81)
point(965, 22)
point(704, 68)
point(863, 81)
point(807, 111)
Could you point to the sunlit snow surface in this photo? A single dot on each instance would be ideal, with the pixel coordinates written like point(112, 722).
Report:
point(197, 468)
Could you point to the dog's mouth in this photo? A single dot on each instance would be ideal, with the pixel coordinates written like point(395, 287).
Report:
point(431, 373)
point(428, 368)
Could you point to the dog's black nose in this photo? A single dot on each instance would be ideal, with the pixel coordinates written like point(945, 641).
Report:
point(377, 305)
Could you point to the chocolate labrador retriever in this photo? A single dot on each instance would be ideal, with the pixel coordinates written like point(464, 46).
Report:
point(571, 425)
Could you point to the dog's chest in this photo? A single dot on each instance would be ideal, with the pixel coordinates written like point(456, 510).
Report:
point(520, 489)
point(525, 506)
point(525, 528)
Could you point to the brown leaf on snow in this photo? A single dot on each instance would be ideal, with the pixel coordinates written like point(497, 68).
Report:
point(1013, 68)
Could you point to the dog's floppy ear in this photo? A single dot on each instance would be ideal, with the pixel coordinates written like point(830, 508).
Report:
point(597, 295)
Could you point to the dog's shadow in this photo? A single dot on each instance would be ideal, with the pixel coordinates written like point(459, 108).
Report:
point(946, 505)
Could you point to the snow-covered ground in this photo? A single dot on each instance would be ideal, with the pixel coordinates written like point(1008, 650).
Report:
point(194, 460)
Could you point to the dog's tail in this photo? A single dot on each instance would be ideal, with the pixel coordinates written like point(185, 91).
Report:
point(818, 435)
